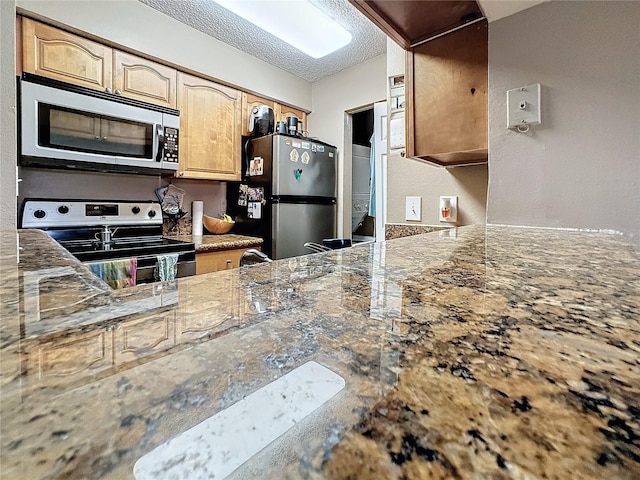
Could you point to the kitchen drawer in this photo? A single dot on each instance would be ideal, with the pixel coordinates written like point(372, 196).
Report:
point(216, 261)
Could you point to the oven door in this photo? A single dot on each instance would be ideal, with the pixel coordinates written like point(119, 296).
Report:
point(68, 128)
point(145, 269)
point(145, 273)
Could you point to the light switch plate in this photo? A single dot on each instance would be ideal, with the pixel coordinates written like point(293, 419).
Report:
point(413, 208)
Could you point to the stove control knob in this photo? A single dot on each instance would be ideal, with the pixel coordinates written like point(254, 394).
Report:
point(39, 213)
point(63, 209)
point(135, 210)
point(152, 213)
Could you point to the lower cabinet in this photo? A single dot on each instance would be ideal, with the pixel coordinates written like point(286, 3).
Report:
point(79, 357)
point(216, 261)
point(139, 338)
point(71, 358)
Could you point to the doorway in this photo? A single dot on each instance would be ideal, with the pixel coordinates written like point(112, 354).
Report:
point(367, 198)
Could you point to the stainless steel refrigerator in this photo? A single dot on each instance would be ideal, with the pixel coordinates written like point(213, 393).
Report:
point(288, 193)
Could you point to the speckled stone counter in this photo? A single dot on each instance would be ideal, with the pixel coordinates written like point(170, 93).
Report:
point(214, 243)
point(486, 353)
point(399, 230)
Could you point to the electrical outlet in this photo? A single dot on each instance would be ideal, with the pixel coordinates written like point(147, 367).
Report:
point(413, 205)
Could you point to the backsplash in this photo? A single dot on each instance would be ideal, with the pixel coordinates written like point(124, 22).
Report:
point(67, 184)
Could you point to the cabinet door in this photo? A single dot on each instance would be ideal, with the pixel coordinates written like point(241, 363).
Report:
point(144, 80)
point(216, 261)
point(248, 102)
point(71, 358)
point(447, 98)
point(206, 312)
point(56, 54)
point(141, 337)
point(210, 130)
point(284, 111)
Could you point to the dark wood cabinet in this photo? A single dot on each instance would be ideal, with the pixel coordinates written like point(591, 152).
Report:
point(411, 22)
point(446, 76)
point(447, 98)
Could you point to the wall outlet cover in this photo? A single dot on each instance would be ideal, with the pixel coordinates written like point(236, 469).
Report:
point(413, 205)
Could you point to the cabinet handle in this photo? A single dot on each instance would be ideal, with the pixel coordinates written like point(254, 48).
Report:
point(108, 90)
point(228, 264)
point(118, 92)
point(402, 154)
point(181, 174)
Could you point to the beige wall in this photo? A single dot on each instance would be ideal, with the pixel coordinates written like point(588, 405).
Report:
point(8, 141)
point(411, 178)
point(345, 91)
point(134, 25)
point(581, 167)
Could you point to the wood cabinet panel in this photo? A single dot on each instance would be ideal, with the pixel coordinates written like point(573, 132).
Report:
point(207, 312)
point(73, 357)
point(284, 111)
point(216, 261)
point(210, 130)
point(248, 102)
point(56, 54)
point(447, 98)
point(139, 338)
point(144, 80)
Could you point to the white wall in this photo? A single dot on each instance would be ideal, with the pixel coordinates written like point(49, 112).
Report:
point(345, 91)
point(134, 25)
point(581, 167)
point(8, 141)
point(411, 178)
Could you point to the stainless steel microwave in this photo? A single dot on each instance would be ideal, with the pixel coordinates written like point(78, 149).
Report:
point(66, 126)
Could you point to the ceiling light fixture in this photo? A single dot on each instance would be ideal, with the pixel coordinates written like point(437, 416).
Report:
point(297, 22)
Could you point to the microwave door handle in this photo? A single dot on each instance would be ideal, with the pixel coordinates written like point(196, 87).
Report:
point(159, 142)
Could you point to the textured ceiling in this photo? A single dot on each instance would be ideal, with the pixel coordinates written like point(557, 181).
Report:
point(210, 18)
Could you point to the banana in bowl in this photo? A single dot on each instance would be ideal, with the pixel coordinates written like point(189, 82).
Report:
point(217, 226)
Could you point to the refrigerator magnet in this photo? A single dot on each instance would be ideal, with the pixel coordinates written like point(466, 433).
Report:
point(314, 147)
point(257, 167)
point(254, 210)
point(242, 195)
point(330, 154)
point(305, 158)
point(293, 156)
point(306, 145)
point(296, 144)
point(256, 194)
point(321, 148)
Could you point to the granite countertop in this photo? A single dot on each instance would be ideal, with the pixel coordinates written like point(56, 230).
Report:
point(471, 353)
point(214, 243)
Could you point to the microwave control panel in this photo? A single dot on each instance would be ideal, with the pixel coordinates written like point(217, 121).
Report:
point(170, 150)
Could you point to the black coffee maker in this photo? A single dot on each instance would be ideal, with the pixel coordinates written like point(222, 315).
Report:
point(261, 121)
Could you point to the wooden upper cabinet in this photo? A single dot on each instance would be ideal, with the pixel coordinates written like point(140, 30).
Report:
point(210, 130)
point(447, 98)
point(53, 53)
point(144, 80)
point(284, 111)
point(248, 102)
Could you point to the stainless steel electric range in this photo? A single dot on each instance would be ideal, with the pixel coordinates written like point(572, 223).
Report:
point(110, 230)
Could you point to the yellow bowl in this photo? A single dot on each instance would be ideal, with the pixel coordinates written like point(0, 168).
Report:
point(215, 225)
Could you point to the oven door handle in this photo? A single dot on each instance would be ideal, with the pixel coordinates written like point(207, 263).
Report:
point(158, 142)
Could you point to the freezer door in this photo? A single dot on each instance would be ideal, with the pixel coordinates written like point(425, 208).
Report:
point(294, 224)
point(302, 167)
